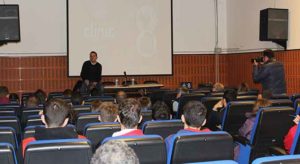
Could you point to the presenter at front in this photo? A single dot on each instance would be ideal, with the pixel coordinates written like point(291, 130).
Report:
point(91, 72)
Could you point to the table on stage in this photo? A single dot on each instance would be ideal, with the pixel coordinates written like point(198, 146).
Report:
point(132, 88)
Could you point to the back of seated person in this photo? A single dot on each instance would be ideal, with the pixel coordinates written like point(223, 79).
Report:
point(77, 99)
point(41, 96)
point(145, 103)
point(161, 111)
point(67, 93)
point(290, 136)
point(218, 87)
point(4, 95)
point(120, 96)
point(95, 105)
point(243, 87)
point(32, 101)
point(181, 91)
point(129, 118)
point(108, 112)
point(114, 152)
point(55, 118)
point(193, 118)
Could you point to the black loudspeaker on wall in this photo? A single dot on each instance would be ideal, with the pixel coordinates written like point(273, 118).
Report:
point(273, 24)
point(9, 23)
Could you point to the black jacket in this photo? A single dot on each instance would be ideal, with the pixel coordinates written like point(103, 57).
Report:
point(91, 72)
point(271, 76)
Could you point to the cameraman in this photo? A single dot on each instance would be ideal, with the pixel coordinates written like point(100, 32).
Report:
point(270, 73)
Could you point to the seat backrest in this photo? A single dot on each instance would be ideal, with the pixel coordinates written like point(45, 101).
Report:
point(147, 115)
point(234, 115)
point(67, 151)
point(29, 131)
point(269, 129)
point(7, 155)
point(26, 112)
point(8, 135)
point(96, 132)
point(81, 108)
point(11, 121)
point(148, 148)
point(185, 99)
point(164, 128)
point(7, 113)
point(84, 119)
point(34, 120)
point(246, 97)
point(247, 93)
point(198, 147)
point(279, 96)
point(282, 102)
point(284, 159)
point(90, 99)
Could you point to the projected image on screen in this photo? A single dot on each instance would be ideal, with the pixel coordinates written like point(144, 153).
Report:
point(133, 36)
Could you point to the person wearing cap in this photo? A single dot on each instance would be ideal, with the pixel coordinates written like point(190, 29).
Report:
point(270, 73)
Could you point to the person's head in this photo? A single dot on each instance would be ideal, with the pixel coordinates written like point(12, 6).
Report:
point(129, 113)
point(145, 102)
point(268, 55)
point(14, 97)
point(41, 96)
point(120, 96)
point(95, 92)
point(230, 95)
point(218, 87)
point(32, 101)
point(95, 105)
point(194, 114)
point(67, 93)
point(114, 152)
point(161, 111)
point(108, 112)
point(76, 99)
point(261, 103)
point(244, 87)
point(55, 113)
point(4, 91)
point(93, 57)
point(181, 91)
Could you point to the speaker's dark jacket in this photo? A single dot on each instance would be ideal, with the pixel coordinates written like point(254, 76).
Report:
point(271, 76)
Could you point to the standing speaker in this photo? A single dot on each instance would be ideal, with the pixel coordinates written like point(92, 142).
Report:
point(273, 24)
point(9, 23)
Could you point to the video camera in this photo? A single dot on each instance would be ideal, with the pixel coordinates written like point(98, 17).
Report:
point(258, 59)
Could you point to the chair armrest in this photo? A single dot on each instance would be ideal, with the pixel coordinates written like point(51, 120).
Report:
point(275, 150)
point(241, 139)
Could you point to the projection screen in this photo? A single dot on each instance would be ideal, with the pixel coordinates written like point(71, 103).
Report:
point(133, 36)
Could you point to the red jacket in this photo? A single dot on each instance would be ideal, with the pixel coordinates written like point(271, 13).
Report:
point(289, 138)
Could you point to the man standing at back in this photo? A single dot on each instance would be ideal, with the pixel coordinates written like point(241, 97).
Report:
point(270, 74)
point(91, 72)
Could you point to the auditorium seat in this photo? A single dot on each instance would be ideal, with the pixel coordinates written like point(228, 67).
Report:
point(216, 162)
point(7, 155)
point(90, 99)
point(85, 118)
point(269, 129)
point(81, 108)
point(66, 151)
point(284, 159)
point(8, 135)
point(246, 97)
point(34, 120)
point(13, 122)
point(148, 148)
point(200, 147)
point(282, 102)
point(29, 131)
point(234, 115)
point(96, 132)
point(163, 128)
point(209, 103)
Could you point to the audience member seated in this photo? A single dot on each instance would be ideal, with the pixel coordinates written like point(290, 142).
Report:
point(245, 130)
point(288, 139)
point(161, 111)
point(95, 105)
point(55, 118)
point(4, 95)
point(41, 96)
point(32, 101)
point(77, 99)
point(108, 112)
point(115, 152)
point(129, 118)
point(181, 91)
point(120, 96)
point(145, 103)
point(216, 115)
point(218, 87)
point(244, 87)
point(67, 93)
point(193, 118)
